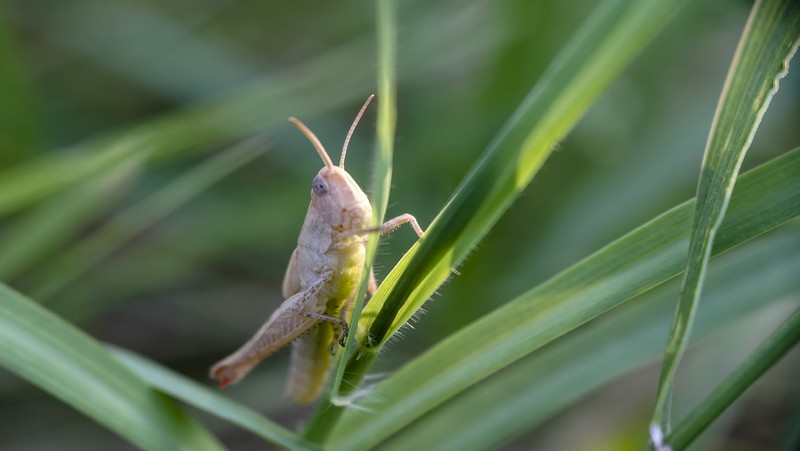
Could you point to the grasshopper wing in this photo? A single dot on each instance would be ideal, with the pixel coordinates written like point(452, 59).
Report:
point(291, 280)
point(311, 360)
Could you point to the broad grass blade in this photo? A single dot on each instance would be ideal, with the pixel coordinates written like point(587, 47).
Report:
point(60, 359)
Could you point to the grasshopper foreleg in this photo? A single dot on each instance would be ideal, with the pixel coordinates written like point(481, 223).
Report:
point(392, 224)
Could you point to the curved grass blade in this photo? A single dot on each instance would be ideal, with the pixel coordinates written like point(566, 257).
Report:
point(769, 353)
point(646, 257)
point(208, 400)
point(544, 383)
point(53, 355)
point(770, 38)
point(132, 221)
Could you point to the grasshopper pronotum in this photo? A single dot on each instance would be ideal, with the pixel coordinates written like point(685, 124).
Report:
point(321, 280)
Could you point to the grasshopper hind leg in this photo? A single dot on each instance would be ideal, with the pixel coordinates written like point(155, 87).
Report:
point(283, 326)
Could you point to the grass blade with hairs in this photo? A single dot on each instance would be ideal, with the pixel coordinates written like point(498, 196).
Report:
point(614, 34)
point(387, 119)
point(641, 260)
point(770, 39)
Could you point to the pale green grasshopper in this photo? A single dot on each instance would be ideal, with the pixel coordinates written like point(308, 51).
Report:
point(321, 281)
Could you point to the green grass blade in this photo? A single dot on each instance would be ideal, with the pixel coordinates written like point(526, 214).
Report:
point(387, 105)
point(208, 400)
point(615, 33)
point(132, 221)
point(328, 410)
point(770, 352)
point(646, 257)
point(387, 120)
point(544, 383)
point(60, 359)
point(770, 39)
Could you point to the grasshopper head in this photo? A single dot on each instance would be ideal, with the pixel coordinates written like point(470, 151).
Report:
point(339, 200)
point(334, 194)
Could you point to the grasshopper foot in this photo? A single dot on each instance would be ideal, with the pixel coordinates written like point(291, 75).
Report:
point(345, 329)
point(227, 374)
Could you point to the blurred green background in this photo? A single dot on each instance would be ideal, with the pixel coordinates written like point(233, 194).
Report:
point(190, 78)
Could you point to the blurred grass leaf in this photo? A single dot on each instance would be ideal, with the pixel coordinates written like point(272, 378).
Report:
point(305, 90)
point(208, 400)
point(178, 63)
point(644, 258)
point(83, 256)
point(50, 353)
point(20, 134)
point(36, 234)
point(30, 182)
point(770, 39)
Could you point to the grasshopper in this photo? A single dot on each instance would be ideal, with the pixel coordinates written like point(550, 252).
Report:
point(321, 281)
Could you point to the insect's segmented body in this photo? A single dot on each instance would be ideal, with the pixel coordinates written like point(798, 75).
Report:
point(336, 255)
point(321, 280)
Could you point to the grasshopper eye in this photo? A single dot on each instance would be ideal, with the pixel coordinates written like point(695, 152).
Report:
point(319, 186)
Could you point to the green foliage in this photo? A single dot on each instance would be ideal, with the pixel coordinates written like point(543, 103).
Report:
point(215, 403)
point(116, 218)
point(770, 352)
point(46, 351)
point(575, 365)
point(634, 264)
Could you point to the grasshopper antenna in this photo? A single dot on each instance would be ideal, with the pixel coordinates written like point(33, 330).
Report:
point(314, 140)
point(352, 129)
